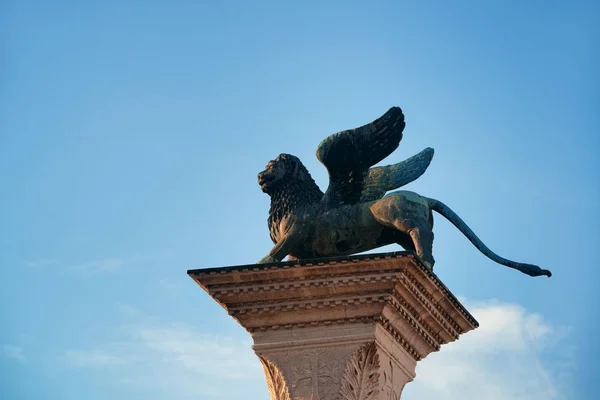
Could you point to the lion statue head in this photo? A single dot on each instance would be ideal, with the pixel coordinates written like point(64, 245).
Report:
point(285, 169)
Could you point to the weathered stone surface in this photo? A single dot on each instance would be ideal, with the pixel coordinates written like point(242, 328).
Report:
point(353, 215)
point(342, 328)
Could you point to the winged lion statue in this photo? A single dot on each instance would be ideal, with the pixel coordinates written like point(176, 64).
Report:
point(355, 214)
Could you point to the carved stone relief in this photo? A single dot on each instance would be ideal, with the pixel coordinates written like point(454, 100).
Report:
point(315, 375)
point(275, 383)
point(390, 385)
point(361, 377)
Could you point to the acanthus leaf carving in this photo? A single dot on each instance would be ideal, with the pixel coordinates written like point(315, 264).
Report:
point(361, 376)
point(276, 385)
point(388, 383)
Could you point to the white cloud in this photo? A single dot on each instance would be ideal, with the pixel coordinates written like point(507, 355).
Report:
point(203, 354)
point(173, 360)
point(12, 351)
point(501, 360)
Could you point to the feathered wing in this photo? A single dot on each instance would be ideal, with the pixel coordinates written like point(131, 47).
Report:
point(380, 180)
point(349, 154)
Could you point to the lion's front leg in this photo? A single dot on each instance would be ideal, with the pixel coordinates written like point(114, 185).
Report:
point(292, 238)
point(281, 249)
point(267, 260)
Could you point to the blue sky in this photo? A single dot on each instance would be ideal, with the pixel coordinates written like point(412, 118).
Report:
point(131, 133)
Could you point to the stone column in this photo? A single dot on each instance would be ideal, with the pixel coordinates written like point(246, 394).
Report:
point(339, 328)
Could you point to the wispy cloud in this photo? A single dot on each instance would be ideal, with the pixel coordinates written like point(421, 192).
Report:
point(207, 355)
point(170, 286)
point(92, 358)
point(40, 263)
point(85, 268)
point(173, 358)
point(13, 352)
point(501, 360)
point(97, 266)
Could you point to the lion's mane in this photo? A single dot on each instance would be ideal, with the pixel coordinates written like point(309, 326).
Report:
point(296, 189)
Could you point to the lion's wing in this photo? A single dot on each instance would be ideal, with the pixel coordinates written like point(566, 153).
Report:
point(380, 180)
point(349, 154)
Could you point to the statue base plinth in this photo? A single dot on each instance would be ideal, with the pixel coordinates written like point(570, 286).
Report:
point(339, 328)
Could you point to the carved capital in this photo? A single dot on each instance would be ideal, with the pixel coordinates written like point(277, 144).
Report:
point(354, 372)
point(361, 376)
point(276, 384)
point(340, 329)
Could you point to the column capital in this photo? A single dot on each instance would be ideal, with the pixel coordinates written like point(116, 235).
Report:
point(340, 328)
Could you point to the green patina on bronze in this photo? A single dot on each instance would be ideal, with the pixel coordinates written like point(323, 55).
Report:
point(355, 214)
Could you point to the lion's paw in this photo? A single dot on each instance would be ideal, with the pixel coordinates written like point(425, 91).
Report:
point(267, 260)
point(428, 265)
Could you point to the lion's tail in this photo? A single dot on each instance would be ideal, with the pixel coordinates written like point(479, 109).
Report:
point(445, 211)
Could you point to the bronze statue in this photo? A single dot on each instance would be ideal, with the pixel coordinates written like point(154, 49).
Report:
point(354, 214)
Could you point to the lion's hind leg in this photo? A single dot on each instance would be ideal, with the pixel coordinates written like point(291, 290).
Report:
point(422, 238)
point(409, 217)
